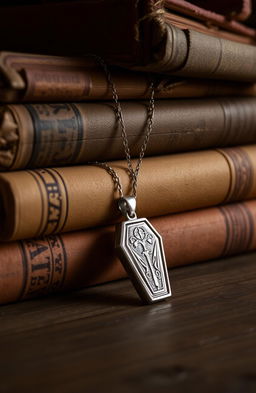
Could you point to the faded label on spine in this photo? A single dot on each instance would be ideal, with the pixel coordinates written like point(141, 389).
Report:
point(58, 134)
point(54, 198)
point(53, 83)
point(45, 264)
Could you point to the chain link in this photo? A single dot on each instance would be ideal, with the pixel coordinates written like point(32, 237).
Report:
point(133, 173)
point(113, 174)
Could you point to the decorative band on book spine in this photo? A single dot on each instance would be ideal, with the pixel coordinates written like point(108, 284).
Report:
point(241, 173)
point(44, 265)
point(54, 200)
point(239, 228)
point(238, 121)
point(58, 134)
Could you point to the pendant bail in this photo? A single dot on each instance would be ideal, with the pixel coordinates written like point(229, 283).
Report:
point(127, 206)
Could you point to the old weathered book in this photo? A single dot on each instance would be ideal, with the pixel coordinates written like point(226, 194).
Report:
point(211, 10)
point(64, 134)
point(53, 263)
point(28, 78)
point(140, 35)
point(223, 14)
point(46, 201)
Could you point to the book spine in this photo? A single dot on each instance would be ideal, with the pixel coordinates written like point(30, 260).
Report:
point(147, 41)
point(47, 201)
point(183, 54)
point(38, 78)
point(63, 134)
point(69, 85)
point(28, 77)
point(225, 59)
point(41, 266)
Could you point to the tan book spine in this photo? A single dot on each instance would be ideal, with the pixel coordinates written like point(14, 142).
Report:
point(36, 267)
point(44, 135)
point(28, 78)
point(46, 201)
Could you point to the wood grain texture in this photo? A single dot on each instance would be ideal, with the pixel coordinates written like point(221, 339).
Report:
point(102, 340)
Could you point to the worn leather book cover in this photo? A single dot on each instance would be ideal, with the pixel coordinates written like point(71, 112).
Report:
point(231, 10)
point(28, 78)
point(150, 38)
point(235, 10)
point(201, 24)
point(223, 14)
point(43, 135)
point(37, 267)
point(47, 201)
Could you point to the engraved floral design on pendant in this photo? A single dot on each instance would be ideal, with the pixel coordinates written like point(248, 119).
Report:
point(144, 247)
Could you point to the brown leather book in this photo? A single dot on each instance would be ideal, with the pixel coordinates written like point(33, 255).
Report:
point(223, 14)
point(140, 35)
point(31, 268)
point(46, 201)
point(235, 10)
point(44, 135)
point(231, 10)
point(28, 78)
point(183, 23)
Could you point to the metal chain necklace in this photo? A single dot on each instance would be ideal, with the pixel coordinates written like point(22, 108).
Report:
point(138, 244)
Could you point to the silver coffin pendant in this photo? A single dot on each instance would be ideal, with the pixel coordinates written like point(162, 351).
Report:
point(140, 249)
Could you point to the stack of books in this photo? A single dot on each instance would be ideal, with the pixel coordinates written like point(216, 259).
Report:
point(197, 183)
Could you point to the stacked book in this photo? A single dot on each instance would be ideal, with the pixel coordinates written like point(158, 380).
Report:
point(197, 183)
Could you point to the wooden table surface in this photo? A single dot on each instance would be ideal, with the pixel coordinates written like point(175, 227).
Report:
point(102, 340)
